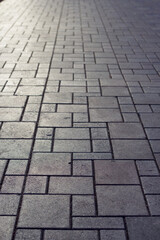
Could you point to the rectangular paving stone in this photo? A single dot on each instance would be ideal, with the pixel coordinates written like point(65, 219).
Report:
point(150, 119)
point(147, 168)
point(35, 184)
point(115, 172)
point(12, 101)
point(131, 149)
point(27, 234)
point(143, 228)
point(83, 206)
point(17, 130)
point(57, 98)
point(105, 115)
point(103, 102)
point(101, 146)
point(153, 133)
point(82, 168)
point(113, 234)
point(55, 120)
point(99, 133)
point(72, 108)
point(91, 156)
point(19, 149)
point(71, 234)
point(10, 114)
point(126, 130)
point(120, 200)
point(12, 184)
point(9, 204)
point(151, 184)
point(6, 227)
point(98, 222)
point(71, 185)
point(72, 133)
point(34, 209)
point(146, 98)
point(154, 204)
point(72, 146)
point(28, 90)
point(2, 167)
point(50, 164)
point(115, 91)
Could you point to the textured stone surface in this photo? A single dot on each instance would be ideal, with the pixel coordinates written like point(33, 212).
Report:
point(6, 227)
point(55, 120)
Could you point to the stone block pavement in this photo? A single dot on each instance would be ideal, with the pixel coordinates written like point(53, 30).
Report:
point(79, 120)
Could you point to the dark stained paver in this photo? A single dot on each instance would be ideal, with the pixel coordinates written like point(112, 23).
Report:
point(79, 120)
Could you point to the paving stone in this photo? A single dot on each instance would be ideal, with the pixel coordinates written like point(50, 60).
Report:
point(71, 146)
point(91, 156)
point(101, 146)
point(9, 204)
point(35, 184)
point(57, 98)
point(146, 98)
point(27, 90)
point(143, 228)
point(71, 185)
point(115, 172)
point(120, 200)
point(83, 206)
point(103, 102)
point(154, 204)
point(42, 145)
point(131, 149)
point(97, 222)
point(80, 117)
point(10, 114)
point(44, 133)
point(6, 227)
point(99, 133)
point(17, 130)
point(71, 108)
point(126, 130)
point(55, 120)
point(155, 145)
point(147, 168)
point(150, 119)
point(15, 148)
point(82, 168)
point(28, 234)
point(34, 209)
point(12, 184)
point(131, 117)
point(12, 101)
point(105, 115)
point(115, 91)
point(50, 164)
point(151, 184)
point(113, 234)
point(2, 167)
point(153, 133)
point(72, 133)
point(71, 234)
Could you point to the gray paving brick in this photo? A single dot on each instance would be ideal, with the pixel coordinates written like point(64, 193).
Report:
point(103, 102)
point(6, 227)
point(55, 120)
point(151, 184)
point(9, 204)
point(82, 168)
point(27, 234)
point(105, 115)
point(101, 146)
point(58, 98)
point(10, 114)
point(115, 172)
point(131, 149)
point(72, 133)
point(83, 206)
point(71, 234)
point(150, 119)
point(72, 108)
point(50, 164)
point(113, 234)
point(143, 228)
point(72, 146)
point(120, 200)
point(153, 133)
point(147, 168)
point(2, 167)
point(71, 185)
point(12, 184)
point(34, 208)
point(12, 101)
point(115, 91)
point(35, 184)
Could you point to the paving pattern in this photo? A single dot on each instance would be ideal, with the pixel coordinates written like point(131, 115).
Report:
point(80, 120)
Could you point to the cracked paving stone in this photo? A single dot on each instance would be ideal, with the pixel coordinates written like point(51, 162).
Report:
point(34, 209)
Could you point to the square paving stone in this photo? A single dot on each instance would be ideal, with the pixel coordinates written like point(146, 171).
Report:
point(28, 234)
point(153, 133)
point(83, 206)
point(71, 185)
point(44, 211)
point(71, 235)
point(115, 172)
point(126, 130)
point(6, 227)
point(143, 228)
point(17, 167)
point(50, 164)
point(12, 184)
point(151, 184)
point(9, 204)
point(82, 168)
point(105, 115)
point(154, 204)
point(72, 146)
point(15, 149)
point(10, 114)
point(17, 130)
point(113, 235)
point(35, 184)
point(150, 119)
point(97, 222)
point(72, 133)
point(12, 101)
point(115, 91)
point(101, 146)
point(120, 200)
point(57, 98)
point(103, 102)
point(55, 120)
point(131, 149)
